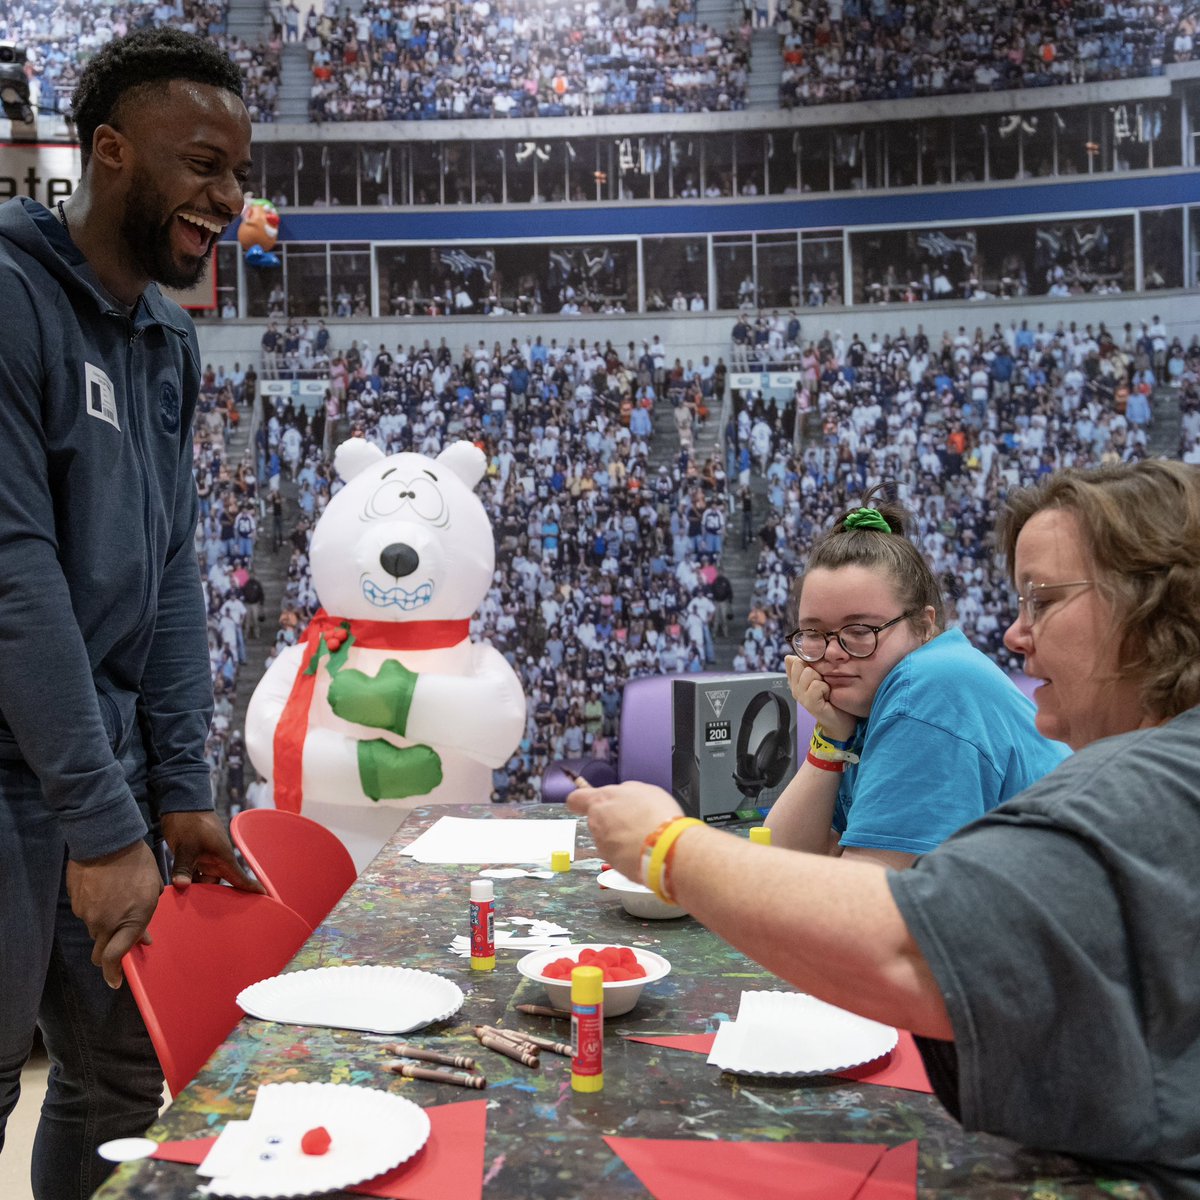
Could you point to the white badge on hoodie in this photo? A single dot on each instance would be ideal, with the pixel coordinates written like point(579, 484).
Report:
point(100, 397)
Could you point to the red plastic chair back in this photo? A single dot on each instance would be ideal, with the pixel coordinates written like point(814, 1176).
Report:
point(298, 861)
point(209, 942)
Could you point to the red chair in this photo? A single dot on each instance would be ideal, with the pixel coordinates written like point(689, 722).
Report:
point(209, 942)
point(298, 861)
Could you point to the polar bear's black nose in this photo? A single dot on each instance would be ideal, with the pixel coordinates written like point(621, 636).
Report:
point(399, 560)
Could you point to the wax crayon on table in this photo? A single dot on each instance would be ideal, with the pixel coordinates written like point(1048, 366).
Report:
point(540, 1010)
point(521, 1052)
point(458, 1078)
point(545, 1043)
point(433, 1056)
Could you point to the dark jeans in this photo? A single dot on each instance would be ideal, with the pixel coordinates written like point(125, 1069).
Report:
point(105, 1080)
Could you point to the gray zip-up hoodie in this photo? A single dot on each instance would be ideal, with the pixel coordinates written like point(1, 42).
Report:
point(102, 622)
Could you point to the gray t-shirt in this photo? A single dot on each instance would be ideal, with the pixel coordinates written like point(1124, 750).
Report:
point(1063, 930)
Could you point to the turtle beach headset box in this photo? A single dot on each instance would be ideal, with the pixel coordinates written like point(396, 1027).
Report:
point(734, 748)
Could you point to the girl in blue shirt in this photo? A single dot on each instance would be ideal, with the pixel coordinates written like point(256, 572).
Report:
point(918, 733)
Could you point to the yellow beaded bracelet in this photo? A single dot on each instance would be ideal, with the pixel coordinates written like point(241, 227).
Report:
point(658, 855)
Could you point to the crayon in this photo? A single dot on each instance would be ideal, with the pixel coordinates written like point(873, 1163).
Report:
point(503, 1035)
point(520, 1052)
point(540, 1010)
point(433, 1056)
point(458, 1078)
point(542, 1043)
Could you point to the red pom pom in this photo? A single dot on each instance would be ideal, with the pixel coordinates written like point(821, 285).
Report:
point(316, 1141)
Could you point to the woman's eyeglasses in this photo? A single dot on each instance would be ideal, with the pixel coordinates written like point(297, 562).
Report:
point(1033, 604)
point(858, 640)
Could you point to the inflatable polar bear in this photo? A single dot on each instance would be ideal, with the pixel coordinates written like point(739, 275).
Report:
point(386, 698)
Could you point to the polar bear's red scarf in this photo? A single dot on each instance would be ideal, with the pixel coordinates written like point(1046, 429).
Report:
point(292, 730)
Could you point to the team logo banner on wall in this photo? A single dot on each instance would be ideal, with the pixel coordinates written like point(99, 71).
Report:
point(307, 393)
point(742, 380)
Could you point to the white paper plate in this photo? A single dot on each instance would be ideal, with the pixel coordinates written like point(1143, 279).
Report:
point(790, 1033)
point(372, 1132)
point(373, 999)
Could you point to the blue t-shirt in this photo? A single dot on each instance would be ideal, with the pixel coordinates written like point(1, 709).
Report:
point(949, 737)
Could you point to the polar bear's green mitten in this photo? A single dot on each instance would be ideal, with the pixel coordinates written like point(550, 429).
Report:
point(389, 772)
point(381, 702)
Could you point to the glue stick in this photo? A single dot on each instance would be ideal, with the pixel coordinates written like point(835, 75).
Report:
point(760, 835)
point(483, 929)
point(587, 1029)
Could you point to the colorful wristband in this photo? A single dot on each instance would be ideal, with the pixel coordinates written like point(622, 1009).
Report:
point(825, 763)
point(663, 843)
point(819, 732)
point(665, 890)
point(648, 845)
point(821, 747)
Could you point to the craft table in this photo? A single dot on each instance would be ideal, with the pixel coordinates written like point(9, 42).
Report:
point(543, 1140)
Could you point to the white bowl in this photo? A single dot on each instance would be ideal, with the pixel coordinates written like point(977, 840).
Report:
point(619, 996)
point(639, 900)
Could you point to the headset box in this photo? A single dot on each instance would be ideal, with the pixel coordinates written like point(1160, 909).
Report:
point(734, 747)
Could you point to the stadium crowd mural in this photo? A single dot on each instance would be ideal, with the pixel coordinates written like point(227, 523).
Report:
point(610, 540)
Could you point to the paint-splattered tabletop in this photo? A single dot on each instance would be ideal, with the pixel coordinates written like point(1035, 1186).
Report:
point(543, 1139)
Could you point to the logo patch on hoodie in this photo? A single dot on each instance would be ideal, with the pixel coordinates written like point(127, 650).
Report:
point(168, 407)
point(100, 397)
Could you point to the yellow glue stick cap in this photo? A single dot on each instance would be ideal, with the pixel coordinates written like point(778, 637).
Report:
point(587, 985)
point(560, 860)
point(760, 835)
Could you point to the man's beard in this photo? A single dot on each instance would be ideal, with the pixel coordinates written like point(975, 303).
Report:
point(147, 235)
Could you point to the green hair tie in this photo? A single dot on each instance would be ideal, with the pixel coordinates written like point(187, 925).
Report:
point(866, 518)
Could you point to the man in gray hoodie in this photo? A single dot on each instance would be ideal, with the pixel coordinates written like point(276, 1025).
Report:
point(105, 693)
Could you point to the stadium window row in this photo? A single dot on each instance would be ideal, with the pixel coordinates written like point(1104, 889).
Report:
point(975, 253)
point(929, 152)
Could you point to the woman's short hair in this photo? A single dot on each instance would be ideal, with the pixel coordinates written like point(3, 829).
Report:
point(891, 553)
point(1141, 526)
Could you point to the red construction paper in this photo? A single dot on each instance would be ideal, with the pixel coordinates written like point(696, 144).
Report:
point(902, 1068)
point(686, 1169)
point(701, 1043)
point(448, 1167)
point(894, 1177)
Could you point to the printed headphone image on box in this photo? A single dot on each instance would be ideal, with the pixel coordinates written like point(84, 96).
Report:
point(764, 750)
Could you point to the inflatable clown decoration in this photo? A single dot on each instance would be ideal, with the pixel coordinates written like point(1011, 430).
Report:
point(386, 698)
point(258, 233)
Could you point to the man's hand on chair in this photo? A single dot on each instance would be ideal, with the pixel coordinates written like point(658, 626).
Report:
point(202, 851)
point(115, 897)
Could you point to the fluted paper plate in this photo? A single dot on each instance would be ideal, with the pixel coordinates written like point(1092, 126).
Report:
point(373, 999)
point(371, 1132)
point(790, 1033)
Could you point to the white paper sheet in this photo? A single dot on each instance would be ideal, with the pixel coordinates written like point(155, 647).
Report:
point(466, 840)
point(514, 873)
point(789, 1033)
point(538, 934)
